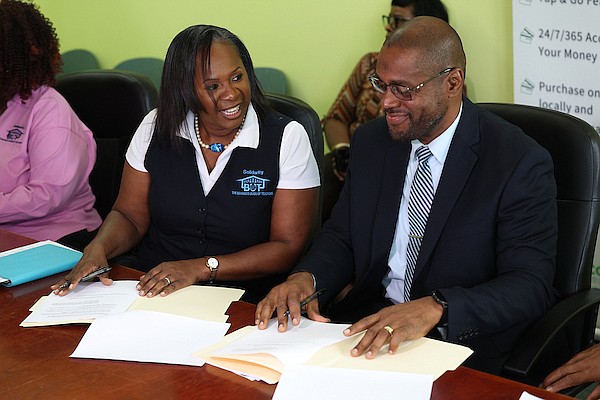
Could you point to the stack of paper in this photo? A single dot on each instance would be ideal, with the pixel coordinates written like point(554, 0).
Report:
point(347, 384)
point(125, 326)
point(266, 354)
point(89, 301)
point(148, 336)
point(39, 260)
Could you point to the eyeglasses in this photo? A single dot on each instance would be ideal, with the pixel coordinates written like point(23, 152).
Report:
point(392, 21)
point(402, 92)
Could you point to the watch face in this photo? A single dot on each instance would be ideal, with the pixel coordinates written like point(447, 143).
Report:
point(212, 263)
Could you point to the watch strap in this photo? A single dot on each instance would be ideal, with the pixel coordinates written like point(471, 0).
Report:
point(213, 270)
point(441, 300)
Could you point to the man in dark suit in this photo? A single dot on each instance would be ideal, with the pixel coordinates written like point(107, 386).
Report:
point(485, 263)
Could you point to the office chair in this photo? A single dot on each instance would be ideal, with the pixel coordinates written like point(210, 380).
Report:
point(575, 149)
point(78, 60)
point(272, 80)
point(112, 104)
point(151, 67)
point(305, 115)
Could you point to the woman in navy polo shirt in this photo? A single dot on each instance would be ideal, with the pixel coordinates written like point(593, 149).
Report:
point(217, 187)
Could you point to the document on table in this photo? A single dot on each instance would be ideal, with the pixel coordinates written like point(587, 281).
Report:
point(147, 336)
point(528, 396)
point(87, 302)
point(202, 302)
point(346, 384)
point(419, 356)
point(264, 354)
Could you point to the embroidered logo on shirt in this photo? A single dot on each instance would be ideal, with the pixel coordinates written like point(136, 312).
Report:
point(14, 134)
point(253, 184)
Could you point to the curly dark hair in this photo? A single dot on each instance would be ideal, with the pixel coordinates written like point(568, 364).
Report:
point(29, 50)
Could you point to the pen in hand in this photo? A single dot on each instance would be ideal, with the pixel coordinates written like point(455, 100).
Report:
point(86, 278)
point(307, 300)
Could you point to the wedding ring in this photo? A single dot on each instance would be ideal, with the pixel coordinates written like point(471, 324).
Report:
point(389, 330)
point(166, 278)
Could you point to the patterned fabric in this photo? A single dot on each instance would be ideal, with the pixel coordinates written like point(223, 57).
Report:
point(419, 204)
point(357, 102)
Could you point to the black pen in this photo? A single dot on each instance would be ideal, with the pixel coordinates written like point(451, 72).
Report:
point(308, 300)
point(86, 278)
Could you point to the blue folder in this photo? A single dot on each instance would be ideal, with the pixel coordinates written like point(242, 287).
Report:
point(36, 262)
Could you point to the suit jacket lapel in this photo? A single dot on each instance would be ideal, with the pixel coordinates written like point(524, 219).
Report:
point(459, 163)
point(386, 215)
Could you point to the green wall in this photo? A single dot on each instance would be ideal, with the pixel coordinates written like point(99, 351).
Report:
point(315, 42)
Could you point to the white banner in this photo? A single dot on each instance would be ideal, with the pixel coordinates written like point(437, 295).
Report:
point(556, 45)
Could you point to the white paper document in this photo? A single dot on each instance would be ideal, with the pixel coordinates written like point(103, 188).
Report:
point(266, 354)
point(87, 302)
point(147, 336)
point(293, 347)
point(348, 384)
point(528, 396)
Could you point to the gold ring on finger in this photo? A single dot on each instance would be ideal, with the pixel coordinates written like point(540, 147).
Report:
point(389, 330)
point(166, 278)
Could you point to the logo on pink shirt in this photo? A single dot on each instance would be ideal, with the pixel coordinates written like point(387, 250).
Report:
point(14, 134)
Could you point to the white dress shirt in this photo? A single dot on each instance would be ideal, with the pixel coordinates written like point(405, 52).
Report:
point(394, 280)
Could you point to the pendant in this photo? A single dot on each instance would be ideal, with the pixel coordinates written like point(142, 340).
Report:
point(216, 147)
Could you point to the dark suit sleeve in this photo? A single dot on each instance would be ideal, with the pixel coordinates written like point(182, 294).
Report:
point(525, 242)
point(330, 258)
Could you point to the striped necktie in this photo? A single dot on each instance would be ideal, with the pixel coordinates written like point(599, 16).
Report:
point(419, 204)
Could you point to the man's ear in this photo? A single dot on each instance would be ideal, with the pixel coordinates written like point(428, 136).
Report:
point(456, 81)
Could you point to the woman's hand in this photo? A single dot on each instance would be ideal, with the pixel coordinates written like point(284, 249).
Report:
point(170, 276)
point(93, 259)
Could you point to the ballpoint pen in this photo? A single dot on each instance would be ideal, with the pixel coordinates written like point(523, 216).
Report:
point(308, 300)
point(86, 278)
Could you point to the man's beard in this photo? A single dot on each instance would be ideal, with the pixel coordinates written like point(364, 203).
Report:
point(424, 126)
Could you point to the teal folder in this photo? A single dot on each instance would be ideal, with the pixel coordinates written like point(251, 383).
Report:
point(36, 262)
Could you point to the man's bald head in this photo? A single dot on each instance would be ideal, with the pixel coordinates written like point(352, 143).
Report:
point(437, 42)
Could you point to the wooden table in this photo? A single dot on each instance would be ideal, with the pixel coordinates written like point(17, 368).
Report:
point(35, 363)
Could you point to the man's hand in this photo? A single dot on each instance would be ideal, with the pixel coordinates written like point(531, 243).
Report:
point(584, 367)
point(395, 324)
point(288, 296)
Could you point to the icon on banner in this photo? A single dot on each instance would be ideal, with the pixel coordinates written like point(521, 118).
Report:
point(525, 2)
point(526, 36)
point(527, 86)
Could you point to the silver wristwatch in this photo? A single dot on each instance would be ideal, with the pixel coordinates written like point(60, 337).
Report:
point(212, 264)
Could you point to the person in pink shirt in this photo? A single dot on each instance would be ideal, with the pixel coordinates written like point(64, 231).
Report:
point(46, 152)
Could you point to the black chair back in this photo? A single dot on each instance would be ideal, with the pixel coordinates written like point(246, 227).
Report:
point(112, 104)
point(575, 149)
point(305, 115)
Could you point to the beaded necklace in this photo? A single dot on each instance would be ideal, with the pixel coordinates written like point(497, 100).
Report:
point(215, 147)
